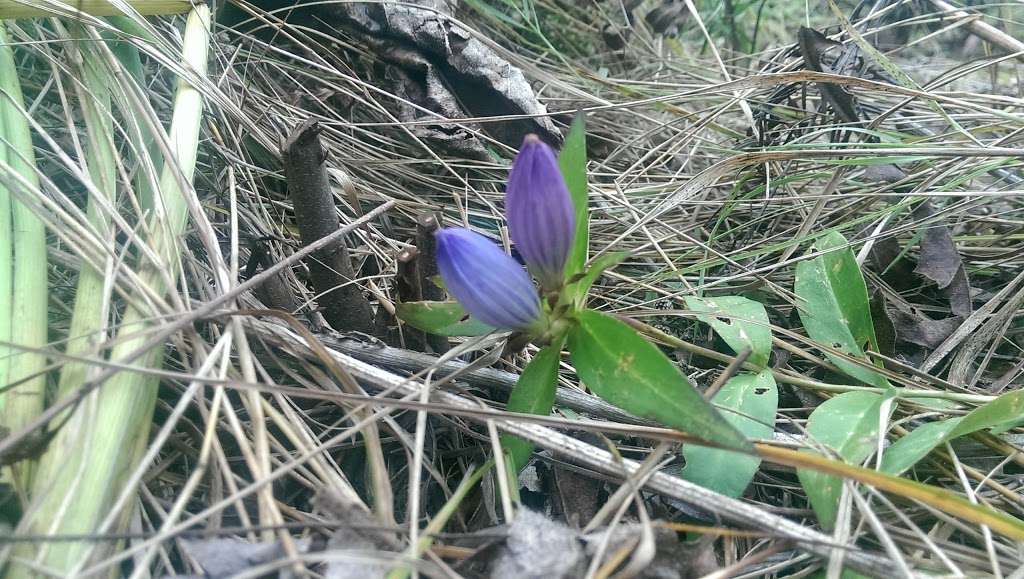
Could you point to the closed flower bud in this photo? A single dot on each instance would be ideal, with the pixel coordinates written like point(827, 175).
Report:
point(539, 210)
point(489, 284)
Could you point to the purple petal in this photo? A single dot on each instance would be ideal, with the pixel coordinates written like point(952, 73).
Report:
point(539, 210)
point(488, 283)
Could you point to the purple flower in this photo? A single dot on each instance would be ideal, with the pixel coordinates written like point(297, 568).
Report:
point(541, 219)
point(488, 283)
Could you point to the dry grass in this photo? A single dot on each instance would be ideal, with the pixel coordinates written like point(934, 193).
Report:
point(714, 170)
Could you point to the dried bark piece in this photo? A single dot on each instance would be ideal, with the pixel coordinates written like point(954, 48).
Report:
point(275, 293)
point(427, 225)
point(343, 303)
point(448, 70)
point(408, 285)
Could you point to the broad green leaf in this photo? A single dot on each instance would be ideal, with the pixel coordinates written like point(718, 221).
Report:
point(834, 306)
point(999, 414)
point(534, 394)
point(631, 373)
point(580, 288)
point(755, 398)
point(741, 322)
point(848, 285)
point(848, 424)
point(441, 318)
point(573, 163)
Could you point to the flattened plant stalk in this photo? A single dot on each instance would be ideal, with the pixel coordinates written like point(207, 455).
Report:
point(28, 302)
point(6, 277)
point(61, 465)
point(19, 9)
point(89, 313)
point(123, 408)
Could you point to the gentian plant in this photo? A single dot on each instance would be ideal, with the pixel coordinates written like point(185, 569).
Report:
point(546, 212)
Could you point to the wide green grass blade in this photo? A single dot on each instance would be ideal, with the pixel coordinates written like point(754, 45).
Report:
point(28, 305)
point(62, 462)
point(6, 274)
point(10, 9)
point(119, 416)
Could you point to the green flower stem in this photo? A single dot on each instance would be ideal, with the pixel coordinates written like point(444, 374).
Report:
point(28, 302)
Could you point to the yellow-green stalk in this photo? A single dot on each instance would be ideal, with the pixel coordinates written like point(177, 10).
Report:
point(61, 465)
point(89, 314)
point(28, 310)
point(20, 9)
point(6, 279)
point(121, 412)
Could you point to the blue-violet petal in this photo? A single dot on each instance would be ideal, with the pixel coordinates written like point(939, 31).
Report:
point(539, 210)
point(488, 283)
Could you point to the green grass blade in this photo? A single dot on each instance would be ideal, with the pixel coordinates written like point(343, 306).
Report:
point(120, 414)
point(6, 274)
point(14, 9)
point(28, 305)
point(573, 162)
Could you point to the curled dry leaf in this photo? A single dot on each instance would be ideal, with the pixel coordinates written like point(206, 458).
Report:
point(940, 262)
point(923, 331)
point(883, 173)
point(443, 67)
